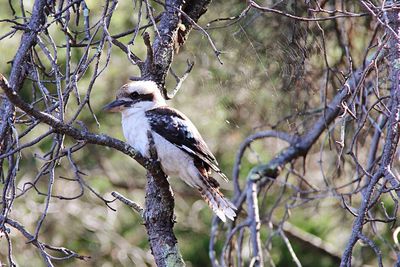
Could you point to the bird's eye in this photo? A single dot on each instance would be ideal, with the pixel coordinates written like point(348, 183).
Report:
point(134, 95)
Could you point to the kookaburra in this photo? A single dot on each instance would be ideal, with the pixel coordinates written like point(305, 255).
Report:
point(180, 148)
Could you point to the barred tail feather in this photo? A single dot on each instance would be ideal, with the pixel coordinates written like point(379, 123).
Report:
point(221, 206)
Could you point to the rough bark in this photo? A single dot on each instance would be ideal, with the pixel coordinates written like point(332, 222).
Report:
point(19, 65)
point(159, 216)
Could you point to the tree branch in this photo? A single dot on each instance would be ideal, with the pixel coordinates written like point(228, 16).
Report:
point(390, 145)
point(159, 213)
point(299, 146)
point(19, 63)
point(63, 128)
point(305, 141)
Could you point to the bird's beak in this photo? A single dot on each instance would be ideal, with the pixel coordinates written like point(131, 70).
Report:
point(116, 105)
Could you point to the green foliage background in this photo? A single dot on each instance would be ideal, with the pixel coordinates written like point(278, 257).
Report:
point(272, 68)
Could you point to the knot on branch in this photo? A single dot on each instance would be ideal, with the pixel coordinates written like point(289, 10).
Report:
point(258, 172)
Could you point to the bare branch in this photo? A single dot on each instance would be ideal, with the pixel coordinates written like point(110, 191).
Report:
point(128, 202)
point(198, 27)
point(42, 246)
point(389, 148)
point(254, 219)
point(329, 18)
point(179, 80)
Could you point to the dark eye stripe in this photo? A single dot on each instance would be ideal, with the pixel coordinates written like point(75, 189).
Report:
point(138, 98)
point(134, 95)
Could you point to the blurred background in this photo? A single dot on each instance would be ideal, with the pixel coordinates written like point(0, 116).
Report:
point(273, 76)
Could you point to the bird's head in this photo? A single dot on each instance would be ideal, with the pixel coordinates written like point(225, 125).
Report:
point(137, 95)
